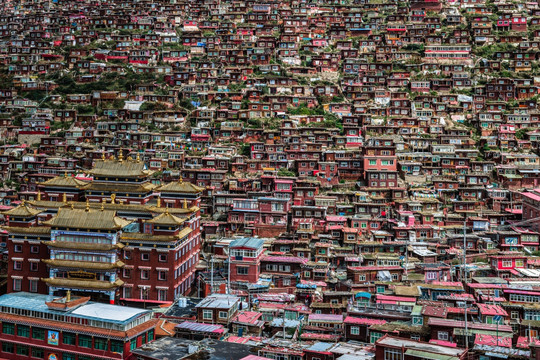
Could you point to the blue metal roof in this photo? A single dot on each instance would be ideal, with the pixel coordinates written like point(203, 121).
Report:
point(253, 243)
point(320, 346)
point(99, 311)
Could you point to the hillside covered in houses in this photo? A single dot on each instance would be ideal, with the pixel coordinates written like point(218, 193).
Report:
point(270, 180)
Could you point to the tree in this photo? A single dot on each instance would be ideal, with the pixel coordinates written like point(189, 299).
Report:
point(284, 172)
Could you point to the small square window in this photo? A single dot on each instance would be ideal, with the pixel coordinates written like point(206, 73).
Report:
point(145, 274)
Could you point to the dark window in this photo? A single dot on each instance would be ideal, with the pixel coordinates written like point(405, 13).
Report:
point(23, 331)
point(22, 350)
point(38, 333)
point(100, 344)
point(85, 341)
point(242, 270)
point(38, 353)
point(8, 329)
point(7, 348)
point(68, 338)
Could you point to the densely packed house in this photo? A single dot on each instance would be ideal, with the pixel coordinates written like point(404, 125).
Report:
point(287, 179)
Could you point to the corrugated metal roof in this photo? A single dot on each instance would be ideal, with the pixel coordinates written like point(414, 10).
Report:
point(253, 243)
point(193, 326)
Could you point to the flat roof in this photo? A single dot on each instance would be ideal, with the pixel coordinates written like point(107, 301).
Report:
point(108, 312)
point(90, 310)
point(416, 345)
point(218, 301)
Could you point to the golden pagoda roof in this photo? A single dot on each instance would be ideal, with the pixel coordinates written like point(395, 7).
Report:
point(83, 283)
point(83, 264)
point(110, 206)
point(87, 219)
point(64, 181)
point(47, 204)
point(120, 168)
point(23, 210)
point(134, 237)
point(82, 246)
point(39, 230)
point(175, 211)
point(180, 187)
point(120, 187)
point(166, 219)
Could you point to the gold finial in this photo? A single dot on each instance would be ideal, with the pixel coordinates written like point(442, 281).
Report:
point(181, 180)
point(185, 203)
point(87, 205)
point(121, 155)
point(72, 206)
point(138, 157)
point(103, 205)
point(159, 201)
point(113, 196)
point(167, 210)
point(64, 198)
point(103, 156)
point(22, 202)
point(111, 157)
point(130, 158)
point(68, 296)
point(39, 195)
point(65, 174)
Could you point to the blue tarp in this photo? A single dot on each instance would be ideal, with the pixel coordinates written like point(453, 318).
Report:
point(306, 286)
point(363, 295)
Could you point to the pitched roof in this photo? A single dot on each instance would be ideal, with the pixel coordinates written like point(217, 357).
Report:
point(22, 211)
point(64, 181)
point(119, 168)
point(180, 187)
point(83, 264)
point(83, 283)
point(166, 219)
point(87, 219)
point(120, 187)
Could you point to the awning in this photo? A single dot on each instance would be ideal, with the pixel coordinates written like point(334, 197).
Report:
point(471, 332)
point(429, 355)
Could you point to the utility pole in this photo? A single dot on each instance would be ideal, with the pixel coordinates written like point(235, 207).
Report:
point(464, 264)
point(212, 275)
point(464, 276)
point(229, 272)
